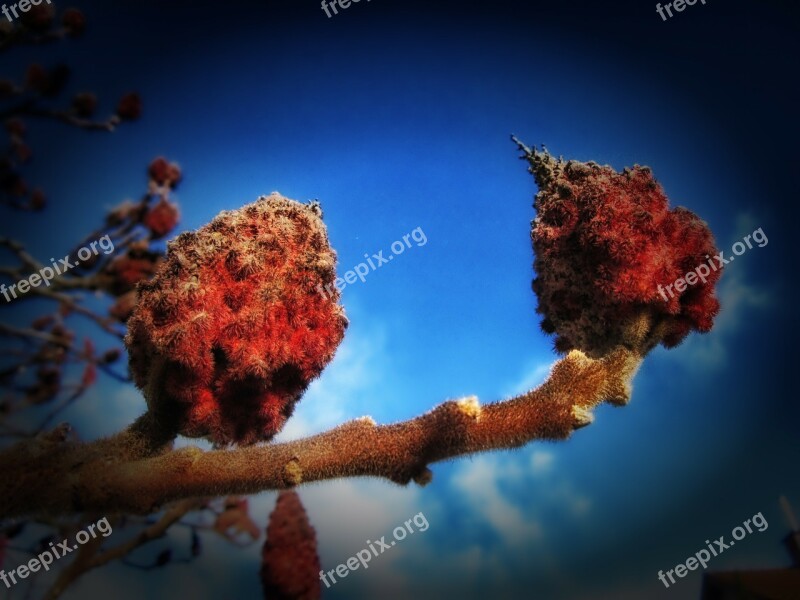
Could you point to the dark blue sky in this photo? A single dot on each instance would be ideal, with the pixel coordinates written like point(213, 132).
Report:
point(397, 115)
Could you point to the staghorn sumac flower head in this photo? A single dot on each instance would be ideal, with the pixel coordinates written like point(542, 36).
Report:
point(36, 78)
point(162, 218)
point(84, 104)
point(126, 270)
point(232, 328)
point(74, 22)
point(163, 173)
point(607, 246)
point(290, 565)
point(129, 107)
point(16, 127)
point(38, 18)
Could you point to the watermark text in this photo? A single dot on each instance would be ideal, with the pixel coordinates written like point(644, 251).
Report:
point(46, 274)
point(362, 269)
point(59, 550)
point(362, 557)
point(703, 270)
point(702, 557)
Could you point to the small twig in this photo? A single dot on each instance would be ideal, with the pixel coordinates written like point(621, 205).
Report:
point(19, 38)
point(61, 407)
point(68, 117)
point(155, 531)
point(17, 248)
point(27, 333)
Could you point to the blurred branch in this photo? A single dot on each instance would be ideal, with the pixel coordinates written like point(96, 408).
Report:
point(27, 109)
point(94, 559)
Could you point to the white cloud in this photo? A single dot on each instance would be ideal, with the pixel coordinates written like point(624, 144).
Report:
point(541, 462)
point(532, 376)
point(479, 481)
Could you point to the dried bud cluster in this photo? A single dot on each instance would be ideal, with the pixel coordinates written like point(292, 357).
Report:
point(289, 562)
point(231, 330)
point(162, 218)
point(37, 24)
point(39, 18)
point(73, 21)
point(603, 242)
point(138, 263)
point(129, 107)
point(163, 173)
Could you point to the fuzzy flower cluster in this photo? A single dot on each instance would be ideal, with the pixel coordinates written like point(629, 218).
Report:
point(159, 216)
point(603, 242)
point(289, 560)
point(39, 22)
point(230, 330)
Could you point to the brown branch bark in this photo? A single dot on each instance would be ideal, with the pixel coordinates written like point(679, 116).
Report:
point(131, 473)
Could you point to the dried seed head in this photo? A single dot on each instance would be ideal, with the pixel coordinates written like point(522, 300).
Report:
point(289, 562)
point(234, 326)
point(607, 247)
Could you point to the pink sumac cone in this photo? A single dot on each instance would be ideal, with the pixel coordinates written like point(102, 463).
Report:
point(231, 329)
point(604, 242)
point(289, 562)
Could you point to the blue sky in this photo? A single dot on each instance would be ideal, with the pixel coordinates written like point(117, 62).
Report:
point(397, 116)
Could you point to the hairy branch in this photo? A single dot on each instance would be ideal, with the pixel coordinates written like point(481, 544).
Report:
point(136, 471)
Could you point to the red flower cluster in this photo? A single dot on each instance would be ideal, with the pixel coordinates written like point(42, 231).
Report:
point(74, 22)
point(162, 218)
point(129, 107)
point(39, 18)
point(125, 271)
point(230, 331)
point(84, 104)
point(289, 563)
point(48, 83)
point(603, 242)
point(163, 173)
point(140, 260)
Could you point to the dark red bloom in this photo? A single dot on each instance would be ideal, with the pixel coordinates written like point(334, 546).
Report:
point(36, 78)
point(232, 328)
point(73, 21)
point(289, 562)
point(110, 356)
point(84, 104)
point(16, 127)
point(129, 107)
point(47, 386)
point(38, 18)
point(38, 199)
point(125, 271)
point(164, 173)
point(162, 218)
point(606, 246)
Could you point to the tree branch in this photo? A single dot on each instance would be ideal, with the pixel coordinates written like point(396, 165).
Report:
point(92, 559)
point(136, 471)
